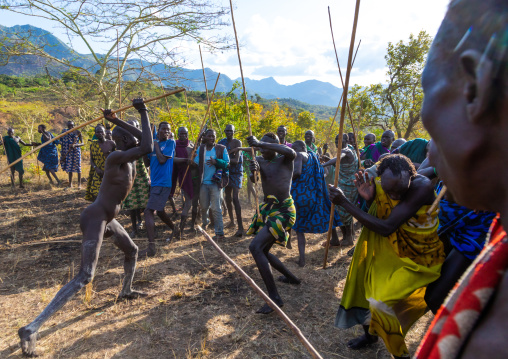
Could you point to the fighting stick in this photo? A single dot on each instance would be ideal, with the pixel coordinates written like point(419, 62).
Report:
point(342, 81)
point(265, 297)
point(188, 114)
point(200, 129)
point(341, 97)
point(437, 200)
point(245, 99)
point(86, 124)
point(206, 88)
point(341, 127)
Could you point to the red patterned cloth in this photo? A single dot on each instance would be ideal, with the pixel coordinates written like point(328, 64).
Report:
point(457, 317)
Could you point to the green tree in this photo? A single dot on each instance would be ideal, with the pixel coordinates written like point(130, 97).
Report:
point(146, 34)
point(396, 104)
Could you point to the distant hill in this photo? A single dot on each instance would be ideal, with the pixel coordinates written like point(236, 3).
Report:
point(312, 91)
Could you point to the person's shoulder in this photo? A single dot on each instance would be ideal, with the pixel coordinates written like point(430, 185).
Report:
point(422, 183)
point(236, 142)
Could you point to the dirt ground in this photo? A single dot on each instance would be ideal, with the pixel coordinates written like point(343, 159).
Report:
point(198, 306)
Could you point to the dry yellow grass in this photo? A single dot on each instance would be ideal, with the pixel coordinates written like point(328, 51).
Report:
point(197, 307)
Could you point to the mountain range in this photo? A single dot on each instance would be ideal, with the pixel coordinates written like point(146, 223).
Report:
point(312, 91)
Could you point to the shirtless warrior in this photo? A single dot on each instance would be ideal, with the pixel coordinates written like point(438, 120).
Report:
point(278, 213)
point(98, 220)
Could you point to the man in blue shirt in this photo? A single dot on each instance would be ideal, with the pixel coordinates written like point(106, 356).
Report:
point(161, 170)
point(212, 159)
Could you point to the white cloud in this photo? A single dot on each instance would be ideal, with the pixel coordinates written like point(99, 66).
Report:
point(290, 39)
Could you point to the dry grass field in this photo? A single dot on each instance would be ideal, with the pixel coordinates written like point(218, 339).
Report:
point(198, 306)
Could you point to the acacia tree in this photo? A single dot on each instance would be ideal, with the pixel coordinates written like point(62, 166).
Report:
point(397, 104)
point(146, 35)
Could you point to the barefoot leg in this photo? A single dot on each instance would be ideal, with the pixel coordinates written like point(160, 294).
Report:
point(363, 340)
point(229, 205)
point(126, 245)
point(259, 248)
point(93, 231)
point(150, 232)
point(12, 177)
point(238, 210)
point(165, 218)
point(301, 248)
point(281, 268)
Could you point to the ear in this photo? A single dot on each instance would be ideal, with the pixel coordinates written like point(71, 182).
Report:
point(479, 83)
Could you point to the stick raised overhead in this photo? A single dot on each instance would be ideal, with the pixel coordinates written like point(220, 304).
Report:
point(342, 81)
point(86, 124)
point(341, 125)
point(244, 94)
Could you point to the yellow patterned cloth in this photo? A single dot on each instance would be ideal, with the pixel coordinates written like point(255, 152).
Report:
point(140, 192)
point(387, 278)
point(278, 216)
point(94, 180)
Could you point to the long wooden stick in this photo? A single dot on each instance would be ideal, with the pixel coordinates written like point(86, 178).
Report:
point(200, 129)
point(437, 200)
point(119, 75)
point(262, 294)
point(341, 126)
point(206, 90)
point(341, 97)
point(342, 81)
point(167, 106)
point(244, 97)
point(188, 114)
point(86, 124)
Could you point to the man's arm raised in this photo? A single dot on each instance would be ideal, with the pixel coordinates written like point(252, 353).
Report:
point(146, 145)
point(111, 117)
point(287, 152)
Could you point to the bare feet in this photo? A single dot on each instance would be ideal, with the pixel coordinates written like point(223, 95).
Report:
point(332, 244)
point(230, 225)
point(351, 251)
point(239, 233)
point(149, 252)
point(28, 340)
point(134, 294)
point(287, 280)
point(362, 341)
point(300, 262)
point(266, 309)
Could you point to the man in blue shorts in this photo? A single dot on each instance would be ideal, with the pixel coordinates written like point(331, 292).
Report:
point(161, 171)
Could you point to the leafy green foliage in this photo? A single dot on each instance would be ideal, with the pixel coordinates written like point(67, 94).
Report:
point(397, 104)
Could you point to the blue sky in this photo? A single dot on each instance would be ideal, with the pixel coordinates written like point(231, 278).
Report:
point(290, 39)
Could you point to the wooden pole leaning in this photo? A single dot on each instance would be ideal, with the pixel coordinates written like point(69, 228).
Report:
point(206, 89)
point(245, 99)
point(200, 129)
point(341, 126)
point(86, 124)
point(437, 200)
point(265, 297)
point(341, 96)
point(342, 81)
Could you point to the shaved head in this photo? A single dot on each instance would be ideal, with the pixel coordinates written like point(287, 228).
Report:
point(299, 146)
